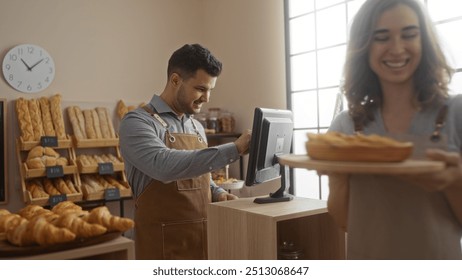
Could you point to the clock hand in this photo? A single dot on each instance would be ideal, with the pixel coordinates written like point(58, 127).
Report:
point(28, 68)
point(36, 63)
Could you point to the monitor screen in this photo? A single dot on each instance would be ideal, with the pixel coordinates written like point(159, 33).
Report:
point(272, 132)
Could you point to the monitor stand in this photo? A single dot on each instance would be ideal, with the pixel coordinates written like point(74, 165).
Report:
point(280, 195)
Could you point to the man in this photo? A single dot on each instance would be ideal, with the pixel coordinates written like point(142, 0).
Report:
point(168, 163)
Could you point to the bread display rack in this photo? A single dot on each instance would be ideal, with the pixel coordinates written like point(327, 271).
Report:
point(44, 151)
point(89, 161)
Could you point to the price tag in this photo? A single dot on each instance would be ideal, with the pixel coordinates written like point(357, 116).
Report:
point(55, 171)
point(112, 194)
point(106, 168)
point(55, 199)
point(49, 141)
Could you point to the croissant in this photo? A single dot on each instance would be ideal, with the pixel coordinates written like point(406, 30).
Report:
point(38, 231)
point(78, 226)
point(102, 216)
point(31, 211)
point(65, 207)
point(8, 220)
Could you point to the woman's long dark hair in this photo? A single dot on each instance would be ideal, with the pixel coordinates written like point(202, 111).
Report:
point(361, 85)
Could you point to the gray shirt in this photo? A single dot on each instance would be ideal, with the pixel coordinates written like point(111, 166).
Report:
point(146, 157)
point(391, 219)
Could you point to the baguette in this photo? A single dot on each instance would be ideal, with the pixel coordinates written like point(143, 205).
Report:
point(80, 120)
point(89, 128)
point(46, 117)
point(36, 119)
point(57, 116)
point(24, 120)
point(75, 123)
point(96, 124)
point(121, 109)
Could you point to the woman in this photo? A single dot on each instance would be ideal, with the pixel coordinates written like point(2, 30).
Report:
point(396, 81)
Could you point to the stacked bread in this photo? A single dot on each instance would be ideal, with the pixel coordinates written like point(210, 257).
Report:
point(44, 187)
point(92, 160)
point(91, 123)
point(97, 183)
point(41, 157)
point(66, 221)
point(40, 117)
point(123, 109)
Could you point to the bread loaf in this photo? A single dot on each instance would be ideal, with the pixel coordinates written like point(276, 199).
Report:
point(74, 123)
point(114, 182)
point(62, 186)
point(89, 128)
point(81, 120)
point(103, 122)
point(36, 119)
point(24, 120)
point(46, 117)
point(121, 109)
point(49, 187)
point(96, 124)
point(57, 116)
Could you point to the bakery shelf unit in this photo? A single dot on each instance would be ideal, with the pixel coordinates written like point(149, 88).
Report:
point(101, 169)
point(47, 185)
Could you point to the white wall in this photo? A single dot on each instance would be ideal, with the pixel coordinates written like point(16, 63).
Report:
point(106, 50)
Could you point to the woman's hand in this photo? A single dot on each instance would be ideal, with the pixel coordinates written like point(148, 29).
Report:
point(449, 177)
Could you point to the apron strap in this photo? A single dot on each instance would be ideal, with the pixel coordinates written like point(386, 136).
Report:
point(154, 114)
point(439, 123)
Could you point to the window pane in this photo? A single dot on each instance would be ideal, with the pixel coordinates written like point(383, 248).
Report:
point(353, 8)
point(300, 139)
point(306, 183)
point(326, 3)
point(304, 108)
point(302, 34)
point(330, 66)
point(299, 7)
point(331, 26)
point(456, 83)
point(303, 72)
point(450, 41)
point(444, 9)
point(327, 101)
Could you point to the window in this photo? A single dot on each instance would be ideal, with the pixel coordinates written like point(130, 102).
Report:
point(316, 45)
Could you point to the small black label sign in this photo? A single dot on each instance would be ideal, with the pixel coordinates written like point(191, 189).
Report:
point(112, 194)
point(55, 171)
point(106, 168)
point(55, 199)
point(49, 141)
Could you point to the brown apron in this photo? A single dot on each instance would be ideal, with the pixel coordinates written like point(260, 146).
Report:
point(171, 218)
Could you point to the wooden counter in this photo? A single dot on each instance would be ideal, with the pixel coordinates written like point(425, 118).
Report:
point(242, 229)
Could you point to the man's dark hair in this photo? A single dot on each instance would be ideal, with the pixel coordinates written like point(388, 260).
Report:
point(191, 57)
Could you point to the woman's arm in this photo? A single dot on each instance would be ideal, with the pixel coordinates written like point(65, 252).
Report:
point(337, 203)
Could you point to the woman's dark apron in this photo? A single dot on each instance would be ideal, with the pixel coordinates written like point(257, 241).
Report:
point(171, 218)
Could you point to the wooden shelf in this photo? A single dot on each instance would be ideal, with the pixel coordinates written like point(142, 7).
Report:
point(241, 229)
point(120, 248)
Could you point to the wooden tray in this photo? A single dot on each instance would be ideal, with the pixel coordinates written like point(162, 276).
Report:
point(9, 250)
point(405, 167)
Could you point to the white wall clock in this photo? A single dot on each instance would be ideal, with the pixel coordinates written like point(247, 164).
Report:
point(28, 68)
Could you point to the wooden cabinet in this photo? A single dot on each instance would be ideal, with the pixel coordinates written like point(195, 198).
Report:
point(242, 229)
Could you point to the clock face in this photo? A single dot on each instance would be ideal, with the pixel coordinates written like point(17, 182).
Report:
point(28, 68)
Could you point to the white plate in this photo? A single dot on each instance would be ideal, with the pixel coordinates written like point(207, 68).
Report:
point(232, 186)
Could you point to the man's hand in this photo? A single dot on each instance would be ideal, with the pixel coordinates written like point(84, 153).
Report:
point(451, 176)
point(243, 142)
point(226, 196)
